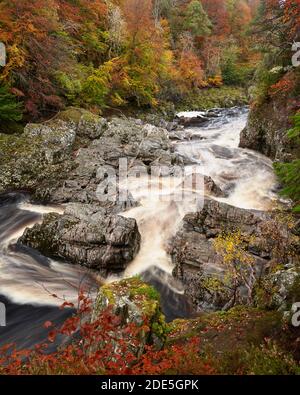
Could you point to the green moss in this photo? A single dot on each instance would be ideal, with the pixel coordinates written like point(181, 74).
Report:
point(266, 359)
point(144, 302)
point(74, 114)
point(143, 295)
point(232, 341)
point(214, 97)
point(224, 328)
point(13, 145)
point(109, 294)
point(294, 292)
point(147, 291)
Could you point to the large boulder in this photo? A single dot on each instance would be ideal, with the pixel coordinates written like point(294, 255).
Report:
point(43, 155)
point(69, 158)
point(135, 303)
point(88, 236)
point(141, 145)
point(196, 261)
point(86, 124)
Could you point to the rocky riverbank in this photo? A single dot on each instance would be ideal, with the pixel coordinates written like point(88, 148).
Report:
point(268, 125)
point(269, 244)
point(67, 161)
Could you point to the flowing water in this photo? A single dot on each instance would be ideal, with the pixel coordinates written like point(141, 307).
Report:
point(28, 280)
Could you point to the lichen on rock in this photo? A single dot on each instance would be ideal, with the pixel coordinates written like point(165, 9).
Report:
point(135, 302)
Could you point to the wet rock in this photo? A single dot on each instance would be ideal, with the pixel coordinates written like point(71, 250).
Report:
point(88, 236)
point(178, 135)
point(97, 166)
point(193, 121)
point(223, 152)
point(198, 118)
point(193, 253)
point(135, 302)
point(202, 184)
point(267, 126)
point(212, 188)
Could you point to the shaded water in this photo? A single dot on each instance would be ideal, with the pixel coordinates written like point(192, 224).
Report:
point(28, 280)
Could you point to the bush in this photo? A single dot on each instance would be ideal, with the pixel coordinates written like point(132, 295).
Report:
point(104, 346)
point(10, 109)
point(289, 173)
point(269, 359)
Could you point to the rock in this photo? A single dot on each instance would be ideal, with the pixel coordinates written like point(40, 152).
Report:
point(267, 126)
point(26, 160)
point(42, 155)
point(193, 121)
point(97, 166)
point(57, 137)
point(222, 152)
point(75, 157)
point(137, 303)
point(196, 261)
point(212, 188)
point(279, 290)
point(198, 181)
point(197, 118)
point(85, 123)
point(86, 235)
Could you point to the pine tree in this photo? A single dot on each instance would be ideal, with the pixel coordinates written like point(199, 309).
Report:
point(197, 20)
point(289, 173)
point(10, 109)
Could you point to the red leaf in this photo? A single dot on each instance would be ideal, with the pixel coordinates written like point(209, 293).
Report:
point(48, 324)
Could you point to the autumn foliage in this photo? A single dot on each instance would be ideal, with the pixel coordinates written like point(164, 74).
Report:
point(104, 345)
point(113, 53)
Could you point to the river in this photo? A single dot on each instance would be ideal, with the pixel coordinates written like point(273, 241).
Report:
point(28, 280)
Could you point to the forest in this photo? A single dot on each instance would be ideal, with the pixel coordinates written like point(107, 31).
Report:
point(99, 54)
point(150, 286)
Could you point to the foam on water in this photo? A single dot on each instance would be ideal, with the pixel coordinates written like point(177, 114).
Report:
point(27, 278)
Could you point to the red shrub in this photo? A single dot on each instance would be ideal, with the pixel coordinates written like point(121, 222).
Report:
point(103, 346)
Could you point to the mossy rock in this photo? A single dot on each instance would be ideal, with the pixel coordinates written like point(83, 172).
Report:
point(206, 99)
point(279, 290)
point(135, 302)
point(220, 331)
point(40, 154)
point(87, 124)
point(233, 341)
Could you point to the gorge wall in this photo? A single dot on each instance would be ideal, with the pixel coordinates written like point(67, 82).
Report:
point(267, 127)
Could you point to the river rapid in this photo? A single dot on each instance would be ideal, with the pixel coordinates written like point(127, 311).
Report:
point(29, 280)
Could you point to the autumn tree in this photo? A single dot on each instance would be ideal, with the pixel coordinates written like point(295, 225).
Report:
point(30, 30)
point(219, 16)
point(240, 267)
